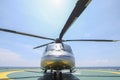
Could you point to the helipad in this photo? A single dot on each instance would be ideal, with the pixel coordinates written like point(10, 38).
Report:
point(80, 74)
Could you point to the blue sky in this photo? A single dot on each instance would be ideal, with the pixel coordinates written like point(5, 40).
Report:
point(100, 20)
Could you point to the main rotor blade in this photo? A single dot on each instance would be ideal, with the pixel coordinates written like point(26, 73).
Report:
point(93, 40)
point(43, 45)
point(26, 34)
point(80, 6)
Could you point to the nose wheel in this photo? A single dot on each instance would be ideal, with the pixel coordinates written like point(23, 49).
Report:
point(57, 75)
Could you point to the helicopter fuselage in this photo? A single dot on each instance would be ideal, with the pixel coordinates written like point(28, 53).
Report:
point(58, 56)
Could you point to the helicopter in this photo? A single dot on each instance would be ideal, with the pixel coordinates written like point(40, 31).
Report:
point(58, 55)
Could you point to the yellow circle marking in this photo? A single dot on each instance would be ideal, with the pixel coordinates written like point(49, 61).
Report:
point(109, 72)
point(3, 75)
point(113, 72)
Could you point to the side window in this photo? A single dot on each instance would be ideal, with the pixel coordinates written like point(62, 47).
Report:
point(67, 48)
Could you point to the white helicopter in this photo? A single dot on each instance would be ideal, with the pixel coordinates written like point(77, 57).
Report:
point(57, 55)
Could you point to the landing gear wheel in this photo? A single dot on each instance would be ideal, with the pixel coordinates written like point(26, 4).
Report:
point(70, 70)
point(55, 75)
point(60, 76)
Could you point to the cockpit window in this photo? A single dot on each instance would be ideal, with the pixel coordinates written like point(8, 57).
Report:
point(58, 47)
point(49, 48)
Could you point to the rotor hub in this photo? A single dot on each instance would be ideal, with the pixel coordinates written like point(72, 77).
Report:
point(58, 40)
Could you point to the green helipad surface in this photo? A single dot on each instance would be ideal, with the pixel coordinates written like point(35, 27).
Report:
point(80, 74)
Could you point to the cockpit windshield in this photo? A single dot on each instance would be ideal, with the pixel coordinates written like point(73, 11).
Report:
point(58, 47)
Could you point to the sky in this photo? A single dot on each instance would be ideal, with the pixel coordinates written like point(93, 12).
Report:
point(100, 20)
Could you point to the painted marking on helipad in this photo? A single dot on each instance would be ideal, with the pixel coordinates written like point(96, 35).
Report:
point(113, 72)
point(3, 75)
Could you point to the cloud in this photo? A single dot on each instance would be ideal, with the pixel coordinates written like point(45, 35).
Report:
point(10, 58)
